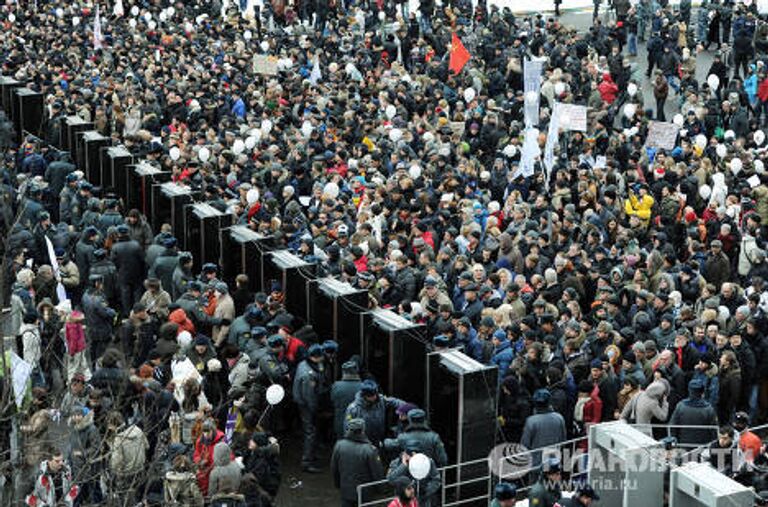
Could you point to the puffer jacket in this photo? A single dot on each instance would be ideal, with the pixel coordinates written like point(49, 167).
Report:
point(641, 207)
point(226, 474)
point(129, 451)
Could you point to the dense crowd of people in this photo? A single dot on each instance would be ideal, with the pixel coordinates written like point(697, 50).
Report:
point(626, 283)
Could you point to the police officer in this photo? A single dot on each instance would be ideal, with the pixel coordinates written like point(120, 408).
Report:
point(182, 275)
point(165, 264)
point(68, 199)
point(504, 495)
point(372, 407)
point(354, 461)
point(128, 256)
point(84, 251)
point(308, 387)
point(546, 491)
point(583, 497)
point(417, 430)
point(105, 268)
point(272, 367)
point(99, 317)
point(343, 393)
point(240, 331)
point(256, 347)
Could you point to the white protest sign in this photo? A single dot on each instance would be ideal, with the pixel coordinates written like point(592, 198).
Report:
point(573, 117)
point(21, 371)
point(661, 134)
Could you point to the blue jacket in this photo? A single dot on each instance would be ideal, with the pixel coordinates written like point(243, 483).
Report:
point(711, 385)
point(238, 108)
point(502, 357)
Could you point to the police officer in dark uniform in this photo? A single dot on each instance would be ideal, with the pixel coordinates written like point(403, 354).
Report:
point(429, 441)
point(165, 263)
point(128, 256)
point(99, 317)
point(504, 495)
point(546, 491)
point(84, 251)
point(308, 388)
point(272, 366)
point(355, 461)
point(106, 269)
point(182, 275)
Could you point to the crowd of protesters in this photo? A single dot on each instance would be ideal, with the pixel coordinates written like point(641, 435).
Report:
point(626, 283)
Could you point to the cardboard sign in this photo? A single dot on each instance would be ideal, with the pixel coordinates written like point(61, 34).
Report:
point(265, 65)
point(662, 134)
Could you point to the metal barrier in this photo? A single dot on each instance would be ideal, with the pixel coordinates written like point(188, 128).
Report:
point(379, 493)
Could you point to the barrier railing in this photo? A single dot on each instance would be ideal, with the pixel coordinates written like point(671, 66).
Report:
point(379, 493)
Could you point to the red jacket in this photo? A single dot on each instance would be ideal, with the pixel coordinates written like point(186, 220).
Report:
point(203, 457)
point(361, 264)
point(762, 90)
point(608, 89)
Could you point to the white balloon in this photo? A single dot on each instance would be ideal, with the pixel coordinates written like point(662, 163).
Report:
point(252, 196)
point(60, 12)
point(419, 466)
point(531, 98)
point(238, 146)
point(510, 150)
point(135, 10)
point(331, 189)
point(163, 16)
point(75, 20)
point(721, 150)
point(307, 128)
point(189, 27)
point(391, 111)
point(250, 142)
point(713, 81)
point(247, 35)
point(132, 23)
point(147, 17)
point(333, 67)
point(171, 11)
point(705, 191)
point(395, 135)
point(632, 89)
point(759, 166)
point(256, 134)
point(559, 88)
point(729, 134)
point(382, 15)
point(736, 166)
point(264, 46)
point(152, 25)
point(678, 120)
point(175, 153)
point(429, 137)
point(204, 154)
point(469, 94)
point(629, 110)
point(275, 394)
point(414, 171)
point(11, 17)
point(759, 137)
point(266, 127)
point(701, 141)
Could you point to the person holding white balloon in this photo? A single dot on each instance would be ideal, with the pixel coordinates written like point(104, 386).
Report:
point(418, 468)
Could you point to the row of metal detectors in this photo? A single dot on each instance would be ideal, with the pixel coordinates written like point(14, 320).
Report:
point(458, 392)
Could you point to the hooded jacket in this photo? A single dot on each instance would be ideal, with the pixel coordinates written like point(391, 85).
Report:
point(129, 451)
point(226, 474)
point(648, 405)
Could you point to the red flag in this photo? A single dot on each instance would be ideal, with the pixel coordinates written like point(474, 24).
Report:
point(459, 55)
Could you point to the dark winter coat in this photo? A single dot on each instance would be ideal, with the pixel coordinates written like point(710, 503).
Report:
point(354, 461)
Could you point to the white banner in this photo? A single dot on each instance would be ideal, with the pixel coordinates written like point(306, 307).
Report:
point(529, 153)
point(572, 117)
point(61, 293)
point(553, 135)
point(532, 70)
